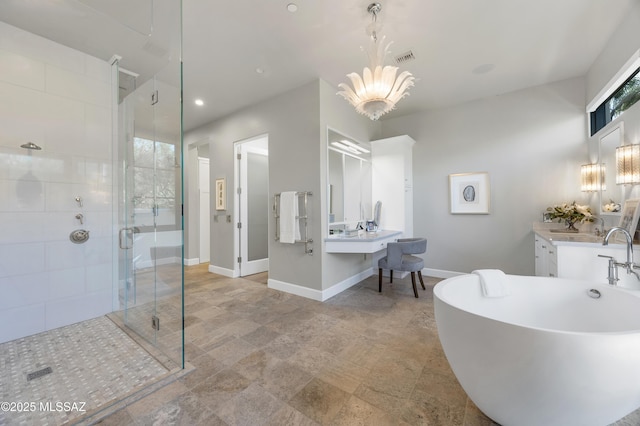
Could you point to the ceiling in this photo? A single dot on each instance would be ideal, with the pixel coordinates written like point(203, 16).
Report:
point(464, 49)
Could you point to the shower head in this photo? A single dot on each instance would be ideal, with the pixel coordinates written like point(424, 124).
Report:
point(30, 145)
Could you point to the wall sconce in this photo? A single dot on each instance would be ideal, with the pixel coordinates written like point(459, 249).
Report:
point(628, 164)
point(592, 177)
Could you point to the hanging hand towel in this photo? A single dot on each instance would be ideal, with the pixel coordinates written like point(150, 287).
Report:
point(289, 224)
point(493, 282)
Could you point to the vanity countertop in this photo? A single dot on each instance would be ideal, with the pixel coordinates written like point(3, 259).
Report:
point(584, 238)
point(567, 239)
point(362, 236)
point(363, 242)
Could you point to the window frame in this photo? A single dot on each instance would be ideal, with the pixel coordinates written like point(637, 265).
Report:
point(597, 114)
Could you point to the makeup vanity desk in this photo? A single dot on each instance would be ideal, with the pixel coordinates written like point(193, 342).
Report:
point(364, 242)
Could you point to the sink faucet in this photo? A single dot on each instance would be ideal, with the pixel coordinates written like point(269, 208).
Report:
point(628, 265)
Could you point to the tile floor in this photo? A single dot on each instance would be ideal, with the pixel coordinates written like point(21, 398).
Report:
point(92, 364)
point(264, 357)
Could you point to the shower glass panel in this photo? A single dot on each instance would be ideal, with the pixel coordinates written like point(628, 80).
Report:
point(110, 164)
point(150, 237)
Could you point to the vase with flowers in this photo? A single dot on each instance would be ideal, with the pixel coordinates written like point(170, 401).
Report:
point(571, 214)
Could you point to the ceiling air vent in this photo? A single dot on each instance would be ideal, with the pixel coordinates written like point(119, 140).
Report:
point(404, 57)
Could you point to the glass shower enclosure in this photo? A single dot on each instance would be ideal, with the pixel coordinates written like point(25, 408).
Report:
point(150, 224)
point(150, 215)
point(97, 84)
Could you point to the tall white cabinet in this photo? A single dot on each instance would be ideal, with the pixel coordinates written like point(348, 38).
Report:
point(392, 176)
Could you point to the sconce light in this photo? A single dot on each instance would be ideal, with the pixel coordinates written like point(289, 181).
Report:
point(592, 177)
point(628, 164)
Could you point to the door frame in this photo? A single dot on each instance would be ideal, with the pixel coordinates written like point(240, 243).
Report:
point(240, 182)
point(204, 212)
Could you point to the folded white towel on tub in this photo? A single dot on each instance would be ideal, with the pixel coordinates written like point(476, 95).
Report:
point(493, 282)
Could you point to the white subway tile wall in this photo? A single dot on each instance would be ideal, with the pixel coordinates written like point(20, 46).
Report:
point(59, 99)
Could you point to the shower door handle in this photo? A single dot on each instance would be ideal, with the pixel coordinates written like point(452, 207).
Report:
point(125, 238)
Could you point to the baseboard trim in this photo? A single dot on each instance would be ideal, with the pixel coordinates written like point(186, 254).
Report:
point(296, 289)
point(318, 295)
point(191, 262)
point(223, 271)
point(440, 273)
point(345, 284)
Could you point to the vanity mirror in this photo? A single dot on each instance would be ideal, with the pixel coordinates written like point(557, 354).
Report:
point(349, 181)
point(610, 193)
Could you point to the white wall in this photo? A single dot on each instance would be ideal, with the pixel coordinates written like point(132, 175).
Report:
point(531, 142)
point(338, 270)
point(620, 47)
point(59, 99)
point(296, 123)
point(291, 121)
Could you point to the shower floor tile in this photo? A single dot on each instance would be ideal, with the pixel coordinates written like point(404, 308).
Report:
point(93, 363)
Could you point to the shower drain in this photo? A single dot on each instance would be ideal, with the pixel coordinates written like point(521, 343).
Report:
point(39, 373)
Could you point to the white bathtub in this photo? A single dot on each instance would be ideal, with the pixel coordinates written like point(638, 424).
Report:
point(547, 354)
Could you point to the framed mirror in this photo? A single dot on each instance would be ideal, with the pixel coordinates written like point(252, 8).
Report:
point(348, 182)
point(611, 195)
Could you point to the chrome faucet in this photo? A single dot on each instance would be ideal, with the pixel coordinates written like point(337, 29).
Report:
point(628, 265)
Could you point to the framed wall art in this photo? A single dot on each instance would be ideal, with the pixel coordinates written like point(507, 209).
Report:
point(469, 193)
point(221, 194)
point(629, 219)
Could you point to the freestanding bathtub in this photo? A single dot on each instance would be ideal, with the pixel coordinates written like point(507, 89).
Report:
point(546, 354)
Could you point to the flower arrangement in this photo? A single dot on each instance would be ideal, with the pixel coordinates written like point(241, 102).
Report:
point(571, 213)
point(611, 206)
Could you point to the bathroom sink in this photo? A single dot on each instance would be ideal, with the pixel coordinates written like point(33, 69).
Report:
point(579, 238)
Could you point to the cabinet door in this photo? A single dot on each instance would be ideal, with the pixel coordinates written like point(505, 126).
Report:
point(552, 260)
point(541, 253)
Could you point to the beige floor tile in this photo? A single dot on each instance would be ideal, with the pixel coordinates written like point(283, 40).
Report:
point(264, 357)
point(319, 401)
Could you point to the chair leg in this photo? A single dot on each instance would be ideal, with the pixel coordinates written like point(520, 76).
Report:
point(421, 281)
point(379, 280)
point(413, 281)
point(391, 275)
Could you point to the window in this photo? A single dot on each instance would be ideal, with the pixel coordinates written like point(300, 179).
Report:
point(154, 181)
point(627, 94)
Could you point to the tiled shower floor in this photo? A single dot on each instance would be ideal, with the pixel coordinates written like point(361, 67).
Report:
point(92, 364)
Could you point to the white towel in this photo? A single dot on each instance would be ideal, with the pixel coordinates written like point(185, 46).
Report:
point(493, 282)
point(289, 225)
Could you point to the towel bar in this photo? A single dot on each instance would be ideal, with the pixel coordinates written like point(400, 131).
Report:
point(304, 217)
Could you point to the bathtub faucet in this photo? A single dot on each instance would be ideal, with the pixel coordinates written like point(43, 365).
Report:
point(628, 265)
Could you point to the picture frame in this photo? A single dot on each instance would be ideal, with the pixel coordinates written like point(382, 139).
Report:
point(221, 194)
point(629, 219)
point(469, 193)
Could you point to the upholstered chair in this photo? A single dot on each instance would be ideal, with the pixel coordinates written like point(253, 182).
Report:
point(399, 258)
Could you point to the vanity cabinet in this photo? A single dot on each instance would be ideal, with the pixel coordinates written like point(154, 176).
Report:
point(578, 257)
point(546, 258)
point(392, 176)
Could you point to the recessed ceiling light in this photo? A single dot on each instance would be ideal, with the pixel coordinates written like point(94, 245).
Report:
point(292, 7)
point(260, 70)
point(199, 102)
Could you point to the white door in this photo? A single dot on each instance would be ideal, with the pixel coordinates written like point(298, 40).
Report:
point(252, 195)
point(205, 220)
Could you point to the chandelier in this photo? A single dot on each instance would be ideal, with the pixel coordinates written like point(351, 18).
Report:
point(378, 90)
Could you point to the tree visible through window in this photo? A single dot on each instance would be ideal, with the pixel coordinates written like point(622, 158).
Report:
point(622, 99)
point(154, 174)
point(626, 96)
